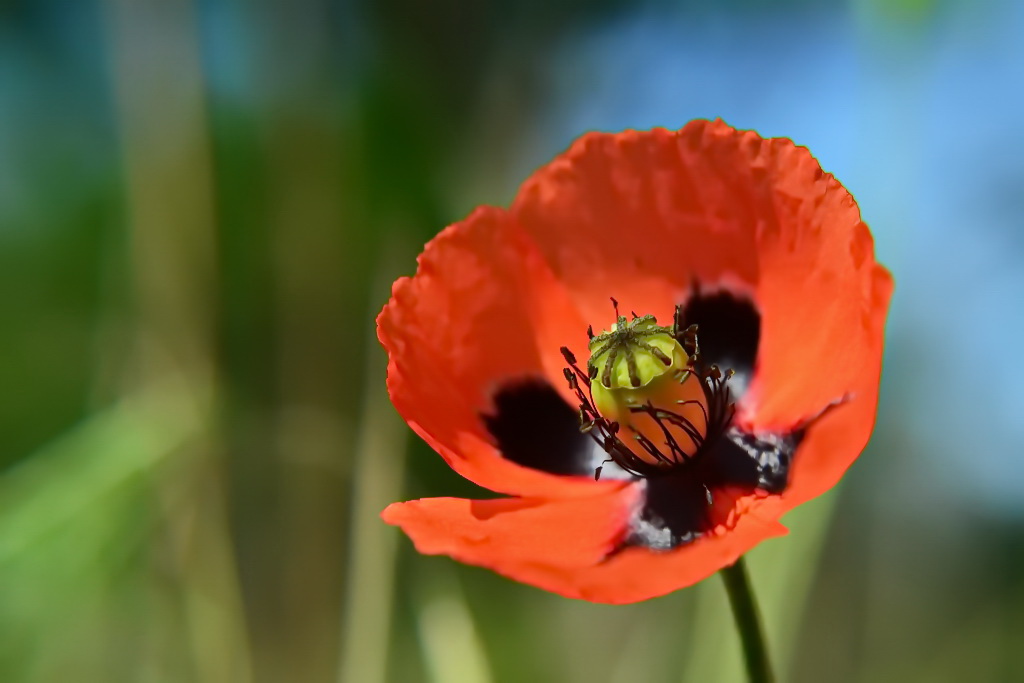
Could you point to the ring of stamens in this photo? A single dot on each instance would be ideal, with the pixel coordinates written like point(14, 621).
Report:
point(670, 458)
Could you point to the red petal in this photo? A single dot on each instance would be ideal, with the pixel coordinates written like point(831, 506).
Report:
point(642, 215)
point(637, 574)
point(565, 546)
point(573, 532)
point(482, 309)
point(837, 439)
point(823, 302)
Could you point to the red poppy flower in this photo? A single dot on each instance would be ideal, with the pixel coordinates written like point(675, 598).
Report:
point(744, 237)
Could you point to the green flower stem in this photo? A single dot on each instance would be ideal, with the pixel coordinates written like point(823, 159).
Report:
point(748, 622)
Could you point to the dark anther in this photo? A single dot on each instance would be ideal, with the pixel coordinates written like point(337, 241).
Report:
point(688, 338)
point(590, 331)
point(568, 355)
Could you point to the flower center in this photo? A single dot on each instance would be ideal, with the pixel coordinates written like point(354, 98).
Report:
point(647, 402)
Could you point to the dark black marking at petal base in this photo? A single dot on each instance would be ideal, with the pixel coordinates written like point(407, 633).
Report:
point(675, 512)
point(729, 330)
point(761, 461)
point(676, 508)
point(534, 427)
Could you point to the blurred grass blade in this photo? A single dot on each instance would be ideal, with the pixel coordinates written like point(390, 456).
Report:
point(783, 575)
point(56, 485)
point(79, 539)
point(160, 98)
point(377, 480)
point(448, 635)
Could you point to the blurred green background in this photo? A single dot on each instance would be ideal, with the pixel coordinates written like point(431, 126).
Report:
point(203, 204)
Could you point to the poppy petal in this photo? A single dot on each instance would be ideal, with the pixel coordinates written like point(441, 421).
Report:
point(823, 302)
point(635, 573)
point(572, 547)
point(483, 309)
point(646, 216)
point(567, 533)
point(834, 442)
point(641, 215)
